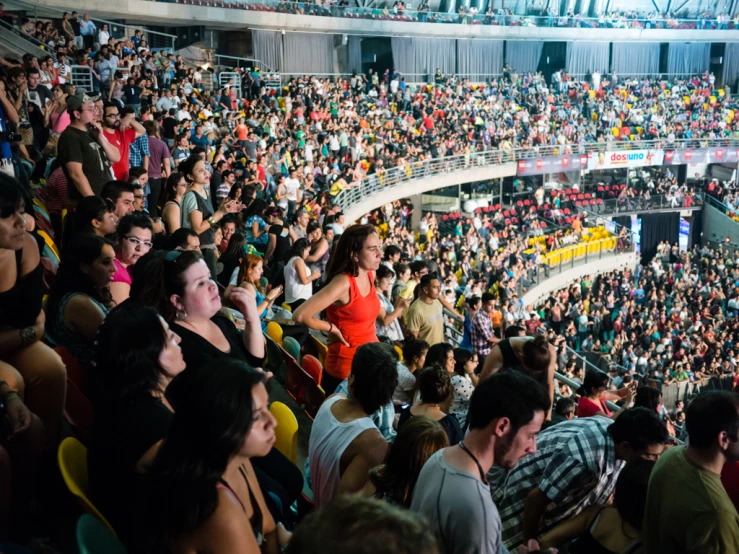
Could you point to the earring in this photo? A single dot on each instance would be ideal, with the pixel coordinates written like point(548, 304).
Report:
point(181, 314)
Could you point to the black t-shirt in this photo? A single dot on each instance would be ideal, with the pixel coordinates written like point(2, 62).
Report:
point(132, 93)
point(78, 146)
point(43, 93)
point(168, 125)
point(121, 435)
point(282, 246)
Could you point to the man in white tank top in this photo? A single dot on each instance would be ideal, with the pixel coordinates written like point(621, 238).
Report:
point(344, 442)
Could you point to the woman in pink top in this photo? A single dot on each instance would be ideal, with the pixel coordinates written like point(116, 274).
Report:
point(56, 117)
point(133, 240)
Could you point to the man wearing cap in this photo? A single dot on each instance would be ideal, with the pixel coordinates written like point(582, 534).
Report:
point(84, 150)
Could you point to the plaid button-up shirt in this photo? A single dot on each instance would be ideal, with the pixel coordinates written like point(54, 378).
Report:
point(574, 465)
point(481, 331)
point(138, 149)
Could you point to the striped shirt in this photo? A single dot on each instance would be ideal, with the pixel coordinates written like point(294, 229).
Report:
point(574, 465)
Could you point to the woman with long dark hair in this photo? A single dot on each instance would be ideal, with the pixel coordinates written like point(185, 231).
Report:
point(298, 277)
point(395, 480)
point(232, 257)
point(594, 392)
point(32, 370)
point(136, 357)
point(349, 300)
point(80, 298)
point(174, 191)
point(95, 215)
point(202, 493)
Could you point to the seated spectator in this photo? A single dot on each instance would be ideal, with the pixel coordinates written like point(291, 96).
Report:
point(249, 276)
point(395, 480)
point(132, 413)
point(121, 194)
point(29, 367)
point(452, 492)
point(414, 358)
point(441, 355)
point(231, 258)
point(651, 399)
point(133, 240)
point(179, 286)
point(688, 509)
point(96, 216)
point(464, 381)
point(80, 298)
point(389, 326)
point(576, 465)
point(594, 392)
point(298, 278)
point(375, 527)
point(344, 442)
point(436, 389)
point(183, 239)
point(214, 434)
point(174, 191)
point(564, 410)
point(609, 528)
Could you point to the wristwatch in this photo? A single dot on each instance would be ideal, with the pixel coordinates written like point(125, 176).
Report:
point(28, 336)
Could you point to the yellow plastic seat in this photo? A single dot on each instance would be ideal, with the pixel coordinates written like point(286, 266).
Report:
point(274, 331)
point(321, 348)
point(72, 459)
point(285, 306)
point(286, 432)
point(49, 242)
point(399, 350)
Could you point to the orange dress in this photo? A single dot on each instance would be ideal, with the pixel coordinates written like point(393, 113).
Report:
point(356, 321)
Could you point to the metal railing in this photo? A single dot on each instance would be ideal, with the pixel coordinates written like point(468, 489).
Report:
point(82, 78)
point(228, 61)
point(32, 41)
point(156, 39)
point(370, 185)
point(655, 203)
point(230, 79)
point(498, 19)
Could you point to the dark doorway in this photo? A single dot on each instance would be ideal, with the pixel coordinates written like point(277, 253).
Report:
point(377, 54)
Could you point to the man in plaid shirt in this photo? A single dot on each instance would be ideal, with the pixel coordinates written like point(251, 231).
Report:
point(576, 465)
point(482, 336)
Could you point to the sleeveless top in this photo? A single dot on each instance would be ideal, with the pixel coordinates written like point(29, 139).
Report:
point(322, 262)
point(356, 321)
point(60, 334)
point(294, 289)
point(512, 362)
point(208, 237)
point(21, 304)
point(257, 523)
point(588, 408)
point(122, 274)
point(586, 544)
point(329, 438)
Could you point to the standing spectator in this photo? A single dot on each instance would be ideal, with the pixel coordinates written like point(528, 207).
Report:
point(481, 335)
point(350, 301)
point(506, 412)
point(294, 194)
point(159, 165)
point(425, 316)
point(576, 465)
point(84, 149)
point(76, 28)
point(344, 442)
point(464, 381)
point(87, 30)
point(121, 131)
point(688, 509)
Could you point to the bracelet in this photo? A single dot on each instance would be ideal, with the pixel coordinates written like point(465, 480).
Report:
point(211, 221)
point(331, 327)
point(28, 336)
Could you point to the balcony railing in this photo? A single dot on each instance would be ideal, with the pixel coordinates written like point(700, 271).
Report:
point(655, 203)
point(370, 185)
point(498, 19)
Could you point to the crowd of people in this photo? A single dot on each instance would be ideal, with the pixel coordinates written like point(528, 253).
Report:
point(188, 221)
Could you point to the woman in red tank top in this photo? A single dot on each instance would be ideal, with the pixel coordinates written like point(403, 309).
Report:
point(594, 392)
point(349, 300)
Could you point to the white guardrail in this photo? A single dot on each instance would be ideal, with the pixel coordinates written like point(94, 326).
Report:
point(400, 177)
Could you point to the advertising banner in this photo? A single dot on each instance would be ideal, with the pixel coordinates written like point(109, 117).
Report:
point(624, 158)
point(552, 164)
point(684, 237)
point(681, 156)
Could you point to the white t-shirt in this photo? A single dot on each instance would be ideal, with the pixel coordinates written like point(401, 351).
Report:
point(292, 186)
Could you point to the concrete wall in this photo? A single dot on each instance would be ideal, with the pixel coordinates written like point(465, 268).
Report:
point(717, 226)
point(143, 11)
point(558, 281)
point(419, 186)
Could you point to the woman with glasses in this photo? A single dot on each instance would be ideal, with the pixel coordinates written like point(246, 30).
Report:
point(133, 240)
